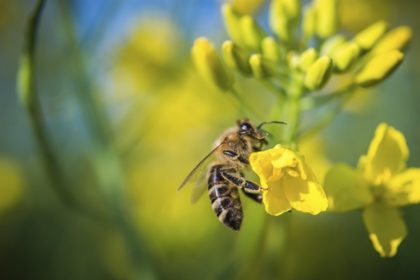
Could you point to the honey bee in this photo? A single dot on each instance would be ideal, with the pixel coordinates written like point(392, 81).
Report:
point(225, 175)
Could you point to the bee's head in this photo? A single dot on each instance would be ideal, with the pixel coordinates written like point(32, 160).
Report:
point(246, 128)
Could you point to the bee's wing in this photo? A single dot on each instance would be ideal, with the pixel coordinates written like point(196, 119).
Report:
point(200, 186)
point(198, 167)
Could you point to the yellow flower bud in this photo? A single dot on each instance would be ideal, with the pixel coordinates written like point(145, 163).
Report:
point(284, 15)
point(379, 67)
point(281, 27)
point(396, 39)
point(327, 18)
point(236, 58)
point(332, 44)
point(369, 36)
point(345, 56)
point(293, 59)
point(209, 64)
point(247, 6)
point(319, 73)
point(252, 33)
point(261, 68)
point(309, 22)
point(232, 23)
point(271, 50)
point(12, 185)
point(291, 8)
point(307, 58)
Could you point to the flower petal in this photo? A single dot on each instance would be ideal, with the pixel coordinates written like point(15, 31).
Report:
point(387, 154)
point(404, 188)
point(269, 164)
point(261, 165)
point(305, 195)
point(386, 228)
point(284, 158)
point(346, 189)
point(290, 181)
point(275, 200)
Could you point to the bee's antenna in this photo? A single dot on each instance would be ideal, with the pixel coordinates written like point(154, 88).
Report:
point(264, 123)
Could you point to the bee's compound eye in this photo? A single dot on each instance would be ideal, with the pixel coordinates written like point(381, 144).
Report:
point(246, 127)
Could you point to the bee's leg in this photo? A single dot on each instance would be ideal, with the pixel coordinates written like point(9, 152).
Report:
point(235, 155)
point(231, 176)
point(260, 145)
point(256, 149)
point(254, 196)
point(241, 182)
point(252, 188)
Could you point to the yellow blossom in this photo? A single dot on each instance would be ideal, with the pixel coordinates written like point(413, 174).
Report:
point(380, 185)
point(209, 65)
point(309, 22)
point(307, 58)
point(261, 68)
point(318, 73)
point(332, 44)
point(146, 56)
point(236, 58)
point(327, 17)
point(247, 6)
point(289, 182)
point(396, 39)
point(379, 68)
point(369, 36)
point(283, 17)
point(271, 50)
point(11, 185)
point(345, 56)
point(252, 33)
point(231, 19)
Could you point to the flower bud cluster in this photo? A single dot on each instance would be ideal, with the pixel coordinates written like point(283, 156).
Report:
point(303, 46)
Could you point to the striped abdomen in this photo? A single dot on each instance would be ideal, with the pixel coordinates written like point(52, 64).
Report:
point(225, 199)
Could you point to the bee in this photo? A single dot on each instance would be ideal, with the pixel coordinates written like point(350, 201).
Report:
point(225, 175)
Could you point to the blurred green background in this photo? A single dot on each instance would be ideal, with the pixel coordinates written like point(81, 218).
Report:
point(129, 61)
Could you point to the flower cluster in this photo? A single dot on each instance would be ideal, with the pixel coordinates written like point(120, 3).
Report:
point(303, 48)
point(297, 60)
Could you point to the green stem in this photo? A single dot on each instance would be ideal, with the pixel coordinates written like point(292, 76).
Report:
point(293, 111)
point(292, 119)
point(246, 109)
point(275, 90)
point(310, 102)
point(94, 116)
point(326, 119)
point(277, 114)
point(285, 270)
point(256, 261)
point(260, 249)
point(29, 98)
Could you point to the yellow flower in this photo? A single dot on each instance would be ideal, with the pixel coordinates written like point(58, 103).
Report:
point(318, 73)
point(147, 57)
point(289, 181)
point(381, 184)
point(209, 65)
point(326, 18)
point(11, 185)
point(247, 6)
point(379, 68)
